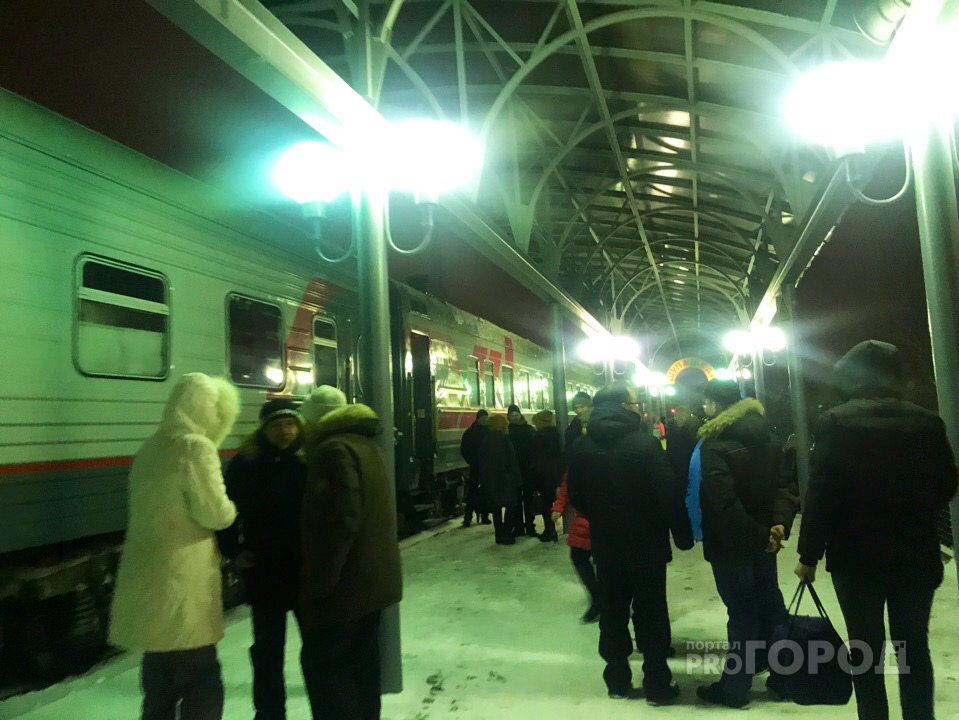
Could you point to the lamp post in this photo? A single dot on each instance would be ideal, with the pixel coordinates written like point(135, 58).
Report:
point(413, 156)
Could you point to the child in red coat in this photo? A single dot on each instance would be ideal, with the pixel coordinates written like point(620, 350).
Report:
point(580, 551)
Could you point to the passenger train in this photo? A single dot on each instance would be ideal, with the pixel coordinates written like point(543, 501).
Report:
point(118, 275)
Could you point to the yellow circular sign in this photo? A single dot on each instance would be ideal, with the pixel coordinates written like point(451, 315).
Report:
point(686, 363)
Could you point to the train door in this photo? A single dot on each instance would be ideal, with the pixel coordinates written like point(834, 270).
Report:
point(422, 406)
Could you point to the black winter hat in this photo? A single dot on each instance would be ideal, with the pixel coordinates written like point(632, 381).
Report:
point(512, 409)
point(723, 392)
point(580, 398)
point(872, 369)
point(481, 413)
point(278, 408)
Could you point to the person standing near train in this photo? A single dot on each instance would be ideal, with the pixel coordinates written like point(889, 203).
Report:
point(168, 603)
point(546, 451)
point(521, 435)
point(471, 448)
point(265, 480)
point(500, 479)
point(582, 405)
point(351, 563)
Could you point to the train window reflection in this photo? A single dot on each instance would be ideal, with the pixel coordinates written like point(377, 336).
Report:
point(255, 349)
point(122, 321)
point(472, 381)
point(325, 353)
point(508, 386)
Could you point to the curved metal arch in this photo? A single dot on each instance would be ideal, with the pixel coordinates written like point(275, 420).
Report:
point(704, 299)
point(628, 16)
point(662, 241)
point(570, 224)
point(645, 270)
point(415, 79)
point(578, 139)
point(665, 343)
point(747, 245)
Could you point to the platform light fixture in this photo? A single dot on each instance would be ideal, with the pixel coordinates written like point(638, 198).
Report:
point(604, 349)
point(746, 342)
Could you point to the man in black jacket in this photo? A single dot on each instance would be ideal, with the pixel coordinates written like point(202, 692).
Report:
point(582, 405)
point(521, 436)
point(882, 470)
point(265, 480)
point(748, 505)
point(681, 438)
point(471, 446)
point(620, 480)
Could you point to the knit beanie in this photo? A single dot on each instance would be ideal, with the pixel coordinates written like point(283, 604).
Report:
point(278, 408)
point(321, 401)
point(498, 422)
point(723, 392)
point(580, 398)
point(512, 408)
point(543, 419)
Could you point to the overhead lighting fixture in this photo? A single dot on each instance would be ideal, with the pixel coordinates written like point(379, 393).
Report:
point(679, 282)
point(684, 269)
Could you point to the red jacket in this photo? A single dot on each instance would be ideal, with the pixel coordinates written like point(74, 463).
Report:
point(579, 532)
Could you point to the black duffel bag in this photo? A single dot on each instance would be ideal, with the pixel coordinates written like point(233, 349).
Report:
point(826, 683)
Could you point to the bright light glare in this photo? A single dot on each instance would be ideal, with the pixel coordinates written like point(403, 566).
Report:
point(848, 104)
point(600, 349)
point(738, 342)
point(773, 338)
point(723, 374)
point(275, 375)
point(431, 157)
point(669, 390)
point(747, 374)
point(656, 379)
point(311, 172)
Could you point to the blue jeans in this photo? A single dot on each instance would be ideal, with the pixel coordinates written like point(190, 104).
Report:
point(750, 591)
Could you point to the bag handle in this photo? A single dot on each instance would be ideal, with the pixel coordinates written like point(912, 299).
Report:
point(797, 600)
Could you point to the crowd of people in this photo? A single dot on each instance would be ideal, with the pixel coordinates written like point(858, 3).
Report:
point(305, 511)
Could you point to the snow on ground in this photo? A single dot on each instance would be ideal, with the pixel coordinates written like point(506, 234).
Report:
point(492, 633)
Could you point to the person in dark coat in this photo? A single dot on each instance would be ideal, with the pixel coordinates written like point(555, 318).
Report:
point(470, 448)
point(351, 563)
point(619, 479)
point(681, 438)
point(500, 479)
point(582, 405)
point(547, 469)
point(748, 504)
point(265, 480)
point(882, 471)
point(527, 504)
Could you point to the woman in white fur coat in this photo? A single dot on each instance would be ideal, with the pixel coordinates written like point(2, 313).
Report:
point(168, 602)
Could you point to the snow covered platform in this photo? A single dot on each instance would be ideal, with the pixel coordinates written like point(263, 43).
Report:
point(492, 633)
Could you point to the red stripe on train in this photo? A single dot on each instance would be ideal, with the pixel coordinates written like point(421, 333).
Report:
point(82, 464)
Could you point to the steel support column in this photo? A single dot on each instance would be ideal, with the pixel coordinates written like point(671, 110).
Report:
point(369, 218)
point(559, 367)
point(797, 392)
point(939, 238)
point(759, 376)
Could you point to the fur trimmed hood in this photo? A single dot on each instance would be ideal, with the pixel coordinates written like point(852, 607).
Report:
point(732, 415)
point(357, 418)
point(201, 405)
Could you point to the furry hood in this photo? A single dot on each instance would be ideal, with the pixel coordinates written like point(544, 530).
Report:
point(201, 405)
point(358, 419)
point(747, 415)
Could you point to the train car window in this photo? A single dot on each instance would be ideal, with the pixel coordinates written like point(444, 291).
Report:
point(325, 353)
point(490, 386)
point(524, 394)
point(472, 381)
point(508, 386)
point(255, 345)
point(122, 321)
point(539, 397)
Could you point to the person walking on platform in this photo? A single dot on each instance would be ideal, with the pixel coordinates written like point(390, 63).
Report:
point(582, 405)
point(265, 480)
point(748, 504)
point(580, 550)
point(882, 472)
point(620, 480)
point(521, 435)
point(500, 479)
point(471, 448)
point(168, 604)
point(351, 563)
point(547, 469)
point(681, 438)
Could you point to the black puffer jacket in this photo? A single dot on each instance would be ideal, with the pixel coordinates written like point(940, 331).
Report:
point(471, 444)
point(266, 484)
point(745, 489)
point(499, 474)
point(882, 470)
point(546, 452)
point(619, 480)
point(521, 436)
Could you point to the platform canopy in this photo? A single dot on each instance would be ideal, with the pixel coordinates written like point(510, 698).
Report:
point(636, 151)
